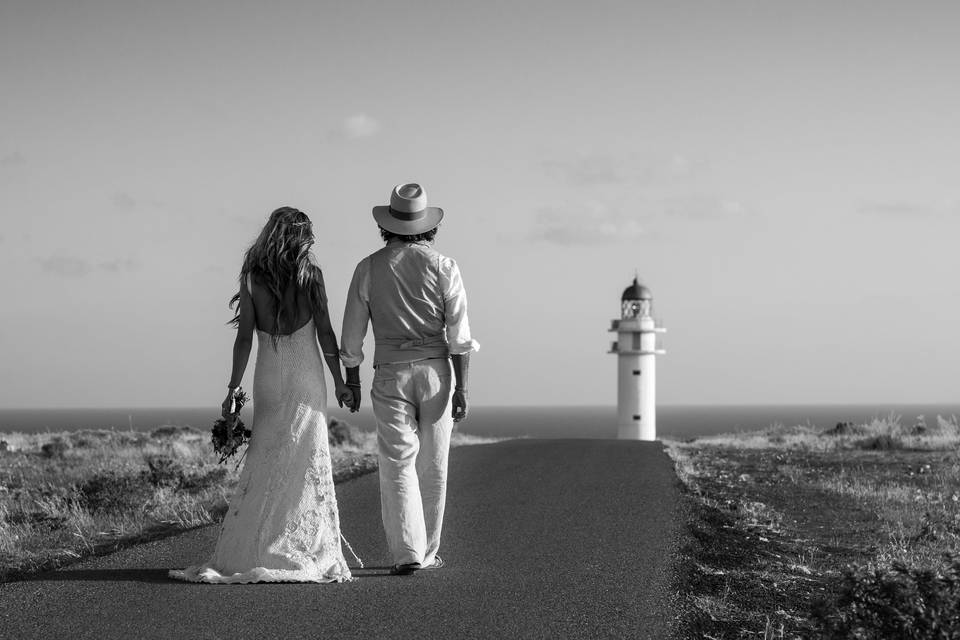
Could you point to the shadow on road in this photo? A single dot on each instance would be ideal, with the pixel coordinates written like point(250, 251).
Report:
point(155, 575)
point(104, 575)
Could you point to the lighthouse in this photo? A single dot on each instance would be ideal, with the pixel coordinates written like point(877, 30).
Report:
point(636, 349)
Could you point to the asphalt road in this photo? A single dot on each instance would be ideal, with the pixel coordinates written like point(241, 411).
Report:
point(542, 539)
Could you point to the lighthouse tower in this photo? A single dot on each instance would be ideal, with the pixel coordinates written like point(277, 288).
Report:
point(636, 349)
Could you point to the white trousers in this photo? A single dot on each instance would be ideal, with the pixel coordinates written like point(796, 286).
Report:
point(411, 402)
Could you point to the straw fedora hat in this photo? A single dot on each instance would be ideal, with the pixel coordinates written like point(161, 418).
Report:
point(408, 213)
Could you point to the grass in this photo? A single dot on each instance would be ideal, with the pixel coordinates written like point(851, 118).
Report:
point(795, 530)
point(73, 494)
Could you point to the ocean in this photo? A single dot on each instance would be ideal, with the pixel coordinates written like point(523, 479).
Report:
point(678, 422)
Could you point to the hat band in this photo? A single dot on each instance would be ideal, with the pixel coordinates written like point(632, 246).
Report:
point(407, 216)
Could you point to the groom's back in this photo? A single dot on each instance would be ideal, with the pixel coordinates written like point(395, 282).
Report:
point(406, 298)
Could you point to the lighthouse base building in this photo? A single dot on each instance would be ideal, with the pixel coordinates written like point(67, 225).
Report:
point(636, 350)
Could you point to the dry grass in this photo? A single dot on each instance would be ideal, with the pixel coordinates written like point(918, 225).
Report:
point(881, 433)
point(67, 495)
point(782, 512)
point(71, 494)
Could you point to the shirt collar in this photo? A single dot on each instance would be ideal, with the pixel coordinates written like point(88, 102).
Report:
point(397, 242)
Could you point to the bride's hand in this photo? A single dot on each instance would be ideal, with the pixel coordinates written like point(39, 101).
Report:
point(345, 396)
point(228, 404)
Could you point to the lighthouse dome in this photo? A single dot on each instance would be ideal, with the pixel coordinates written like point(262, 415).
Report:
point(636, 291)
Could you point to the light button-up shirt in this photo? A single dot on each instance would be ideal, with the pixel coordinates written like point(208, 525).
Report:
point(415, 299)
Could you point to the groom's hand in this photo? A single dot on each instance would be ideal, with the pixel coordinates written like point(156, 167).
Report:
point(353, 382)
point(459, 404)
point(344, 396)
point(355, 401)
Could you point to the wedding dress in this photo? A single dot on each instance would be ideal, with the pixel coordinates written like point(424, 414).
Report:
point(282, 524)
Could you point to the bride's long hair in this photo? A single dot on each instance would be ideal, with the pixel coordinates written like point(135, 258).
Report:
point(279, 255)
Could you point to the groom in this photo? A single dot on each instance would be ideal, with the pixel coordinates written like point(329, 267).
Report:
point(415, 299)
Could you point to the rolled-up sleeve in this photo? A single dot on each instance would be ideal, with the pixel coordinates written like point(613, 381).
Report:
point(356, 316)
point(455, 310)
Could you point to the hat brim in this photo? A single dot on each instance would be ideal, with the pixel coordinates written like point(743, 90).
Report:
point(385, 218)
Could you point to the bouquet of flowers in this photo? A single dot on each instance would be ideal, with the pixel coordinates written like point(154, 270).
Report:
point(229, 433)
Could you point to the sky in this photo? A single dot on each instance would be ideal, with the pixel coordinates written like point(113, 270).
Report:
point(783, 176)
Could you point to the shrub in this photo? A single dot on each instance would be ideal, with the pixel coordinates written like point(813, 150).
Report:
point(948, 426)
point(841, 429)
point(882, 442)
point(938, 526)
point(114, 491)
point(172, 431)
point(129, 438)
point(164, 471)
point(899, 602)
point(54, 449)
point(90, 437)
point(201, 481)
point(341, 433)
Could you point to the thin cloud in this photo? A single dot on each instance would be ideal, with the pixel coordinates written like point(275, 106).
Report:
point(66, 266)
point(670, 170)
point(12, 159)
point(704, 208)
point(601, 222)
point(592, 224)
point(119, 266)
point(903, 209)
point(590, 170)
point(356, 127)
point(680, 167)
point(74, 267)
point(586, 171)
point(124, 202)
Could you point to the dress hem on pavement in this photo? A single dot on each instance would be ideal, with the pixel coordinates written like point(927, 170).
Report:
point(209, 575)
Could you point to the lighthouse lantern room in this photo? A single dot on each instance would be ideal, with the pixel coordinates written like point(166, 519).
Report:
point(636, 349)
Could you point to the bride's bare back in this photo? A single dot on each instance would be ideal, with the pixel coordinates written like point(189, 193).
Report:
point(296, 306)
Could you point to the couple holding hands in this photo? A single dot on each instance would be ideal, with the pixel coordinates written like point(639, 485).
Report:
point(282, 524)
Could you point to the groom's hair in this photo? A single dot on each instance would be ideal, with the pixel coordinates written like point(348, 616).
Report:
point(426, 236)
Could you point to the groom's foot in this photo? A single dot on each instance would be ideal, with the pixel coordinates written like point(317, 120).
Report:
point(407, 569)
point(437, 563)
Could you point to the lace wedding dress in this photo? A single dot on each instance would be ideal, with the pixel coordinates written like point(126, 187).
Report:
point(282, 524)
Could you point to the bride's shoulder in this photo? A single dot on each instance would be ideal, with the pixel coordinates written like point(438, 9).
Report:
point(314, 273)
point(250, 280)
point(314, 285)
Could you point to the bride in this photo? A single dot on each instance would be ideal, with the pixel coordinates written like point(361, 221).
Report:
point(282, 524)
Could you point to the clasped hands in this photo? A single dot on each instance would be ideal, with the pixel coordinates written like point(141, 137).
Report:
point(348, 395)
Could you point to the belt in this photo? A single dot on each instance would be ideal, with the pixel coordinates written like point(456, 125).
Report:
point(403, 343)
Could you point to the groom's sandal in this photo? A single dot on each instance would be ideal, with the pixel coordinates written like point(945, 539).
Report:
point(437, 563)
point(407, 569)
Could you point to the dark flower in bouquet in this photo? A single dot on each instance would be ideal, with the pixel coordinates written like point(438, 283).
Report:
point(229, 433)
